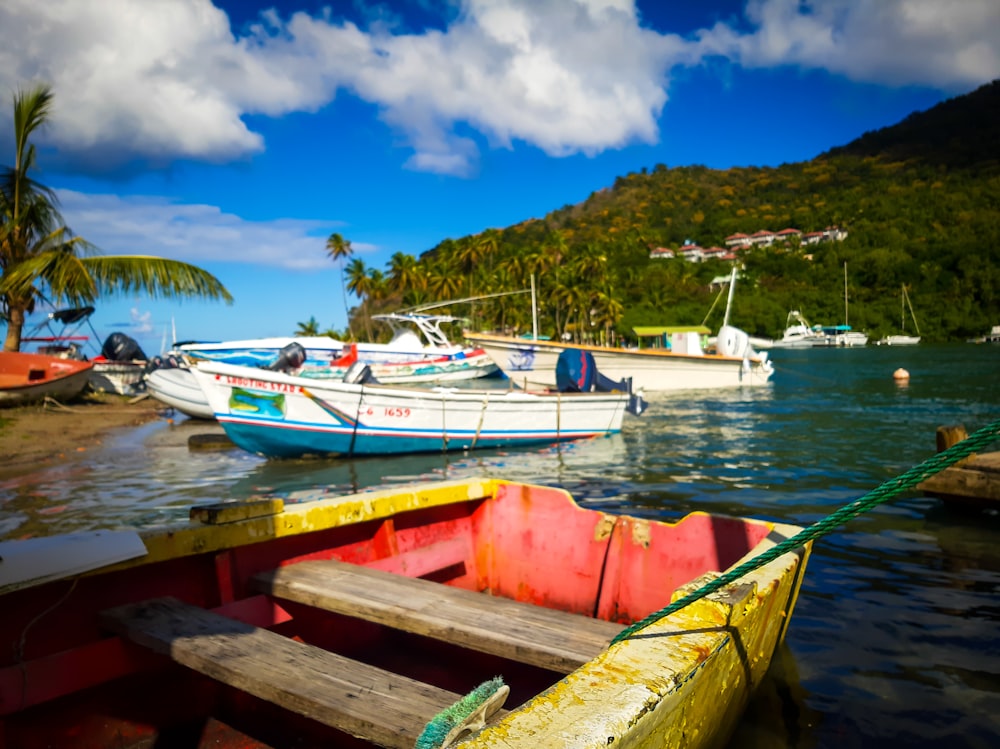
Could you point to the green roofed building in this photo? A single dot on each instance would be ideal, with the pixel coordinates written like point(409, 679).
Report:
point(664, 336)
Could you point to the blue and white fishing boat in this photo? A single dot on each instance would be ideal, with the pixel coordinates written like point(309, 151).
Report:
point(419, 351)
point(281, 415)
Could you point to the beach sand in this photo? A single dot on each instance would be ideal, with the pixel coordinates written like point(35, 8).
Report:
point(39, 435)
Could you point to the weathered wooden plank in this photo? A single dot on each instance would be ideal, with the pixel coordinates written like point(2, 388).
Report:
point(976, 480)
point(552, 639)
point(362, 700)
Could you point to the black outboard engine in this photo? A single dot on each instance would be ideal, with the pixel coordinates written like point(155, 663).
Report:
point(577, 373)
point(359, 373)
point(290, 357)
point(120, 347)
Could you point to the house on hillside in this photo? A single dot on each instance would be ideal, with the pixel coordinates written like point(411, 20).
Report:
point(738, 240)
point(661, 252)
point(692, 253)
point(763, 238)
point(789, 235)
point(717, 253)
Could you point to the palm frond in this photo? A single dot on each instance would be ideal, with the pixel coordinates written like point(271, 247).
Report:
point(59, 268)
point(157, 277)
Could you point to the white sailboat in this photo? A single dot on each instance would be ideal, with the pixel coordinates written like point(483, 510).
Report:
point(903, 339)
point(842, 335)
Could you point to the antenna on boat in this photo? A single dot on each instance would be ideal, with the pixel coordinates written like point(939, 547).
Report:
point(448, 303)
point(534, 310)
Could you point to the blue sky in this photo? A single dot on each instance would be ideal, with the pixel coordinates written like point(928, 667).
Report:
point(239, 135)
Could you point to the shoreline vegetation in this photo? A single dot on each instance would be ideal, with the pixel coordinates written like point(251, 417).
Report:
point(40, 435)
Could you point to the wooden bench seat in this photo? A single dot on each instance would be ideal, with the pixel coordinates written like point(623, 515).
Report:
point(385, 708)
point(522, 632)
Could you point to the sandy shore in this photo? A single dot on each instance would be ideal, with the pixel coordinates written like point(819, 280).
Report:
point(39, 435)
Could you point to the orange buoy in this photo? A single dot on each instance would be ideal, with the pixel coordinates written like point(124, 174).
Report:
point(900, 374)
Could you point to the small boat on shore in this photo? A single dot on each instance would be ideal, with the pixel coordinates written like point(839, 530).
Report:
point(27, 378)
point(119, 365)
point(178, 388)
point(362, 620)
point(408, 358)
point(281, 415)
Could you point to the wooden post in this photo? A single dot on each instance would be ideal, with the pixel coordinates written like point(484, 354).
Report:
point(950, 435)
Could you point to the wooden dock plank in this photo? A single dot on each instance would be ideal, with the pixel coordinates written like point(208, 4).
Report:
point(973, 481)
point(362, 700)
point(552, 639)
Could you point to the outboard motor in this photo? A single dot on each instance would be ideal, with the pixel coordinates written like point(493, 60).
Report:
point(120, 347)
point(577, 373)
point(290, 357)
point(733, 342)
point(359, 373)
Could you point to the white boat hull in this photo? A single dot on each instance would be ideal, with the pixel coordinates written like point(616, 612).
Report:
point(651, 370)
point(178, 388)
point(279, 415)
point(901, 340)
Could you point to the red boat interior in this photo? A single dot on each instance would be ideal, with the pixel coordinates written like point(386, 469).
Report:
point(267, 631)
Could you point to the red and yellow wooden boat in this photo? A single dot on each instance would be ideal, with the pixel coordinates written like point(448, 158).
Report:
point(355, 620)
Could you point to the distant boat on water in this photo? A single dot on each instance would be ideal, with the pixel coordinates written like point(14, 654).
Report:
point(903, 339)
point(798, 333)
point(992, 337)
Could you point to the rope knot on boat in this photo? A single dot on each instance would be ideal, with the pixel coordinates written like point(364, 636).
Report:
point(469, 715)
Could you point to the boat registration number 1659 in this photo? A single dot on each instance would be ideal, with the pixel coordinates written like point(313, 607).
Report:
point(399, 413)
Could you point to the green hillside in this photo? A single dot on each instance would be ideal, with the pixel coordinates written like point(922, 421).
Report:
point(920, 202)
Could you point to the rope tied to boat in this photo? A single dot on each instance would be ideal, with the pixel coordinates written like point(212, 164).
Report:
point(881, 494)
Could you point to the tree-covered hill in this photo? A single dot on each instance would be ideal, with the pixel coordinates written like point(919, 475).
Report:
point(920, 202)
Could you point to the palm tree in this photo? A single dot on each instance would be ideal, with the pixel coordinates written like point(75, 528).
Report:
point(308, 328)
point(489, 245)
point(38, 250)
point(359, 283)
point(404, 272)
point(340, 249)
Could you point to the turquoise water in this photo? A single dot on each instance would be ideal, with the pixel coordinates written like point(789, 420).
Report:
point(896, 637)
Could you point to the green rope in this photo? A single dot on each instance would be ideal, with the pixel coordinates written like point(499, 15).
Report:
point(886, 491)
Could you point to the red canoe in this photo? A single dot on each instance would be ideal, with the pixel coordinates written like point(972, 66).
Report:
point(31, 377)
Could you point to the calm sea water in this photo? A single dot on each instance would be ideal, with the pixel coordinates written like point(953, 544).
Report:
point(896, 637)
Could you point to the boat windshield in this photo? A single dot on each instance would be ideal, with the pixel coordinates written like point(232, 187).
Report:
point(428, 325)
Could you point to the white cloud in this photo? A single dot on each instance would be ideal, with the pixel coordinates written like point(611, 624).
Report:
point(951, 46)
point(161, 79)
point(196, 234)
point(158, 80)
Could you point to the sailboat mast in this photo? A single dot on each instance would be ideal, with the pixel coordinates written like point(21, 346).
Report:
point(902, 308)
point(846, 321)
point(729, 299)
